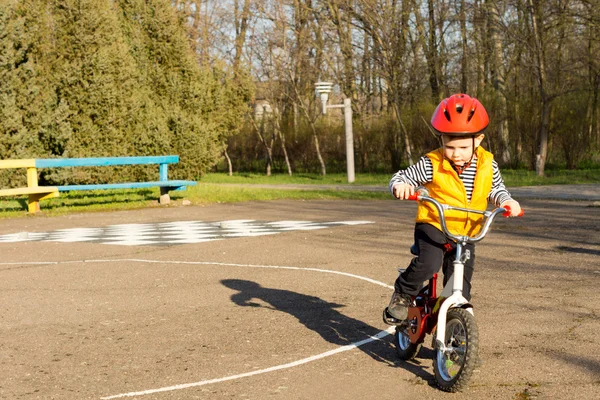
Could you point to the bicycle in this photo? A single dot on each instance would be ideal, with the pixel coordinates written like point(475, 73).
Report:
point(456, 342)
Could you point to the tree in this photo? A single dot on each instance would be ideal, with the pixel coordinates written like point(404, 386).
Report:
point(526, 60)
point(540, 65)
point(380, 22)
point(498, 79)
point(24, 95)
point(108, 78)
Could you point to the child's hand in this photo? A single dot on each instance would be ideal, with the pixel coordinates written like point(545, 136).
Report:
point(403, 190)
point(515, 207)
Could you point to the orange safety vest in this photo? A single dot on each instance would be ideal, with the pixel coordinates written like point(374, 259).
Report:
point(447, 188)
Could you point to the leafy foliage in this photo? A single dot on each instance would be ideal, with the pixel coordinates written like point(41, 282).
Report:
point(93, 78)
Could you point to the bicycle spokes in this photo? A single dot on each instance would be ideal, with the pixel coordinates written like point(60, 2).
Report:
point(456, 359)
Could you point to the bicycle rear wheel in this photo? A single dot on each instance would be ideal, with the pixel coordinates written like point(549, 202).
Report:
point(454, 367)
point(404, 348)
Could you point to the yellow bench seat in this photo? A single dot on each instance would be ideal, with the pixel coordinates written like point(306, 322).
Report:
point(35, 193)
point(52, 191)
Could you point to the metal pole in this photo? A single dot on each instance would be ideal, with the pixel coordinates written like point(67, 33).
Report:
point(349, 139)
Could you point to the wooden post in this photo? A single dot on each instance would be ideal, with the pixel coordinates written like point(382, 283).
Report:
point(33, 203)
point(164, 191)
point(163, 172)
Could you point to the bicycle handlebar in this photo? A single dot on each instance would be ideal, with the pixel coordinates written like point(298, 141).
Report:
point(422, 194)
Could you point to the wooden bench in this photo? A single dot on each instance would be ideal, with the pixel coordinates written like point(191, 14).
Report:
point(37, 193)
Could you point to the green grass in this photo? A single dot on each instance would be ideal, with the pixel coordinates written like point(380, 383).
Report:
point(296, 179)
point(203, 194)
point(210, 190)
point(511, 178)
point(553, 177)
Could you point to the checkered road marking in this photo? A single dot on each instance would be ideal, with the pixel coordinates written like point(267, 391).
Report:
point(170, 233)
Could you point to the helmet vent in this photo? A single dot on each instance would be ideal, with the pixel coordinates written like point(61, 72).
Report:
point(471, 113)
point(459, 108)
point(447, 114)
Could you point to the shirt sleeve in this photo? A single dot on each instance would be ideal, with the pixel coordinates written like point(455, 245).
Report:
point(498, 194)
point(415, 175)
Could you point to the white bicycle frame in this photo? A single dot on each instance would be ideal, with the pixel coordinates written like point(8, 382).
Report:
point(453, 289)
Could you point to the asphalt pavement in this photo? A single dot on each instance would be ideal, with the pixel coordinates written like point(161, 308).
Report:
point(289, 315)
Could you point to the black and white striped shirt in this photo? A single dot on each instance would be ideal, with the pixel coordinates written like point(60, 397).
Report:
point(422, 172)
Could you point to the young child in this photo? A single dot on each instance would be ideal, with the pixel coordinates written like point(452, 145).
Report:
point(461, 174)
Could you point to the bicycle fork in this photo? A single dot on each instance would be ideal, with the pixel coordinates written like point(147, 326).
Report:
point(454, 297)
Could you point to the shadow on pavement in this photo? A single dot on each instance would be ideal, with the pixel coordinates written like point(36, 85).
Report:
point(323, 318)
point(585, 363)
point(580, 250)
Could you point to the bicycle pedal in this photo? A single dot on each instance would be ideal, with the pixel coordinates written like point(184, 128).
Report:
point(389, 320)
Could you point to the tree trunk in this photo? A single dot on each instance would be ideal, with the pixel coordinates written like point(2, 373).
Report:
point(594, 114)
point(407, 142)
point(269, 161)
point(229, 166)
point(344, 35)
point(517, 94)
point(313, 128)
point(268, 146)
point(241, 26)
point(499, 86)
point(432, 54)
point(318, 150)
point(366, 74)
point(204, 49)
point(281, 135)
point(464, 87)
point(540, 161)
point(594, 82)
point(480, 47)
point(285, 153)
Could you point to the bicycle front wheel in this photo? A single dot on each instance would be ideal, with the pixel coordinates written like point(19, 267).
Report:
point(454, 366)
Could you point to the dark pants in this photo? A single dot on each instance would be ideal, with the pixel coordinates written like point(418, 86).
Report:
point(433, 255)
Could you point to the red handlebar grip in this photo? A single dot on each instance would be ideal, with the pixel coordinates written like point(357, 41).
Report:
point(413, 197)
point(508, 211)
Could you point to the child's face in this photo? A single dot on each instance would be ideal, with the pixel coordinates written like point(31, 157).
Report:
point(459, 150)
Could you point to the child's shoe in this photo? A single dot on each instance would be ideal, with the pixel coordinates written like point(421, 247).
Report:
point(397, 310)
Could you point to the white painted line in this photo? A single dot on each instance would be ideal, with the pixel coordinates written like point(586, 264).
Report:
point(341, 349)
point(327, 271)
point(37, 263)
point(140, 260)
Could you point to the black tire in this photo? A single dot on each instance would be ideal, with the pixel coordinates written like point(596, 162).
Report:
point(404, 348)
point(454, 368)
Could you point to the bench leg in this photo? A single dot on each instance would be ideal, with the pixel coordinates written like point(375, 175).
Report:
point(164, 196)
point(33, 204)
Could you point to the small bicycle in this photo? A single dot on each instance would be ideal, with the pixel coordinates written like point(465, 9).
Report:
point(450, 315)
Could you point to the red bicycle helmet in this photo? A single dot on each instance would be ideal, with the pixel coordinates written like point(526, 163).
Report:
point(460, 115)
